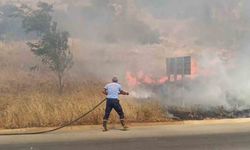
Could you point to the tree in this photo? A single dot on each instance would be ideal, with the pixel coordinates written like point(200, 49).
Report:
point(52, 44)
point(54, 51)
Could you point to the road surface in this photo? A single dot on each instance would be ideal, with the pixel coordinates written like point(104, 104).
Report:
point(189, 136)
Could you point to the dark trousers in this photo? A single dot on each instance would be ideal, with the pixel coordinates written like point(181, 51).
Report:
point(110, 104)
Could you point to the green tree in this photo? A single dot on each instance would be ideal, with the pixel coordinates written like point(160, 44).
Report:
point(52, 44)
point(54, 51)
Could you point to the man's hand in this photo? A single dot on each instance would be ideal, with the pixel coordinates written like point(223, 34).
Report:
point(124, 93)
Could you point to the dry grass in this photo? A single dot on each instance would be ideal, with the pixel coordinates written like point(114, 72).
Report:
point(42, 109)
point(30, 98)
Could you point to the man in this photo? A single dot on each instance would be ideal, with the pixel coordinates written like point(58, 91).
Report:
point(112, 91)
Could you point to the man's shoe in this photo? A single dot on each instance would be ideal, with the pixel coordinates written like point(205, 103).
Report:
point(125, 128)
point(105, 126)
point(105, 130)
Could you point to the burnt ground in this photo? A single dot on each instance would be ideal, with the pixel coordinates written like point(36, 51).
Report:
point(211, 113)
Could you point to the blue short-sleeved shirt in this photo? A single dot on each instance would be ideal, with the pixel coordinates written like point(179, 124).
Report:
point(113, 89)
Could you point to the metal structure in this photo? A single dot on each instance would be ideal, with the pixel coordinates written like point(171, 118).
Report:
point(178, 66)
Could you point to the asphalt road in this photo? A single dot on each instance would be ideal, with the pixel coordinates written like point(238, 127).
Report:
point(235, 136)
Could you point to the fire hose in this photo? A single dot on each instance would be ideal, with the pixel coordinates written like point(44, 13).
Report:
point(57, 128)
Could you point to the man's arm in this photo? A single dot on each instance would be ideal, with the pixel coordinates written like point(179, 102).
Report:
point(123, 92)
point(105, 92)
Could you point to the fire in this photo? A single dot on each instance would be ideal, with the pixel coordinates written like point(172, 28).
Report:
point(138, 78)
point(142, 78)
point(147, 79)
point(132, 81)
point(163, 80)
point(194, 69)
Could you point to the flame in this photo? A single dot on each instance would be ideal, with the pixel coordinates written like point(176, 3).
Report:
point(135, 79)
point(132, 81)
point(142, 78)
point(194, 69)
point(148, 80)
point(163, 80)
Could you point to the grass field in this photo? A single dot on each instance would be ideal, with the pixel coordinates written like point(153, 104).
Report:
point(30, 99)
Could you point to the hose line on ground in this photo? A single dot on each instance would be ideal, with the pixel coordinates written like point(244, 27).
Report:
point(58, 128)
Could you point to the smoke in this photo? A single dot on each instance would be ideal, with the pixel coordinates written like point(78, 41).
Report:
point(113, 37)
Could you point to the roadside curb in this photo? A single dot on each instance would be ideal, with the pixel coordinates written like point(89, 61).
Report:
point(135, 125)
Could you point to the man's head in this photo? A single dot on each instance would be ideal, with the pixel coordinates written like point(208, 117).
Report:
point(114, 79)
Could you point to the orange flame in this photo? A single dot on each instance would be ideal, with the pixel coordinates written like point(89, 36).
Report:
point(142, 78)
point(163, 80)
point(194, 69)
point(135, 79)
point(132, 81)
